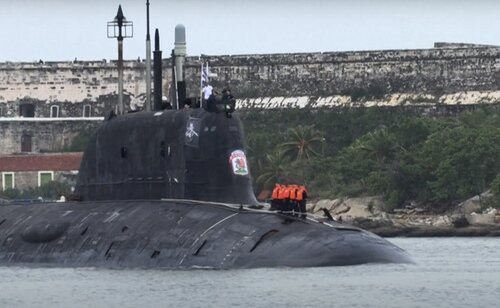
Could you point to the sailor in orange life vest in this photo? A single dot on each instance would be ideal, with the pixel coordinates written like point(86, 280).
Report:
point(285, 199)
point(278, 196)
point(274, 197)
point(301, 199)
point(294, 206)
point(289, 198)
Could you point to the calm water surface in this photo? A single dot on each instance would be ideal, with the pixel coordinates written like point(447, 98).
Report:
point(450, 272)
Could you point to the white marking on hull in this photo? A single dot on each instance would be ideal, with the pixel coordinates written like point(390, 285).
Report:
point(205, 232)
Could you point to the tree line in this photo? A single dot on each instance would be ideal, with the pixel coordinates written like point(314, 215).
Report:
point(398, 153)
point(393, 152)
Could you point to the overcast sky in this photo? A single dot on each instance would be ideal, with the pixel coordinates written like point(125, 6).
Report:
point(60, 30)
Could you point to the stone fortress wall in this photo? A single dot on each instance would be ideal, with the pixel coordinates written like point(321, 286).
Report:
point(397, 71)
point(41, 135)
point(69, 85)
point(465, 75)
point(451, 77)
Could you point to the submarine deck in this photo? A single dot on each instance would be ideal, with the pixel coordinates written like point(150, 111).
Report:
point(179, 234)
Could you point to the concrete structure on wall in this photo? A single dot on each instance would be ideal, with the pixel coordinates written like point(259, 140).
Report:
point(426, 101)
point(454, 74)
point(30, 171)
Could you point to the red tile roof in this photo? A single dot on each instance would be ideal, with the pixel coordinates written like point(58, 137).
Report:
point(41, 162)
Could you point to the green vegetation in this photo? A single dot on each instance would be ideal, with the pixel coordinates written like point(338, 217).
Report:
point(392, 152)
point(389, 152)
point(52, 190)
point(79, 142)
point(495, 189)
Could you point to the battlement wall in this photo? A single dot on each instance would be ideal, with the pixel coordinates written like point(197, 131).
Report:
point(362, 76)
point(405, 71)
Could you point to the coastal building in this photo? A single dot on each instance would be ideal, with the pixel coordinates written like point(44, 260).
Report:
point(30, 150)
point(42, 135)
point(34, 170)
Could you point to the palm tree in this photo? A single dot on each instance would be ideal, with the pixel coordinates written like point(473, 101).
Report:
point(275, 171)
point(258, 148)
point(377, 145)
point(304, 142)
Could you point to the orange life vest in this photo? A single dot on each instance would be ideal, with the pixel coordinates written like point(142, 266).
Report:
point(274, 196)
point(281, 193)
point(286, 192)
point(300, 193)
point(293, 192)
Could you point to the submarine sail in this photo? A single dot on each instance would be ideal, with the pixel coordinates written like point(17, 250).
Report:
point(182, 154)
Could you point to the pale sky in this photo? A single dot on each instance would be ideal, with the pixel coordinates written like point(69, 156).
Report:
point(60, 30)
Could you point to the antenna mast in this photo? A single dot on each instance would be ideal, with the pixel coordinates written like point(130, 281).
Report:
point(148, 61)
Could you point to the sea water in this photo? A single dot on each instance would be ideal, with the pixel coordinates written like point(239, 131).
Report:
point(449, 272)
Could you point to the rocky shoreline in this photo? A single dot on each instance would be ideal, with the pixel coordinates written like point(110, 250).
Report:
point(467, 219)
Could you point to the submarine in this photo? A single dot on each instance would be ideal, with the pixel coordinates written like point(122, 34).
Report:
point(172, 189)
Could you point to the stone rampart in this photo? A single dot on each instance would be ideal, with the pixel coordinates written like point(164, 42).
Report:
point(359, 75)
point(69, 85)
point(390, 71)
point(36, 135)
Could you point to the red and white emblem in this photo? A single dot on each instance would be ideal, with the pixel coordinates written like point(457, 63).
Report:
point(238, 161)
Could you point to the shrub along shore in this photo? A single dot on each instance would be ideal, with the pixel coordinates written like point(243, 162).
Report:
point(404, 156)
point(466, 219)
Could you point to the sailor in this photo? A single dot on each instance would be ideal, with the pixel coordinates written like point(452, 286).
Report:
point(282, 198)
point(296, 207)
point(301, 199)
point(226, 94)
point(228, 101)
point(287, 201)
point(207, 91)
point(293, 199)
point(274, 197)
point(212, 102)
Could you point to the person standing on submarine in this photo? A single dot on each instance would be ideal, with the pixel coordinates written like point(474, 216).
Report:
point(274, 197)
point(302, 199)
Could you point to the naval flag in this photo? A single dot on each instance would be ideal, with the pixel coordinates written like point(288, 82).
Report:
point(204, 74)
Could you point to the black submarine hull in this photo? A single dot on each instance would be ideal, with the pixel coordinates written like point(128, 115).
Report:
point(180, 234)
point(185, 177)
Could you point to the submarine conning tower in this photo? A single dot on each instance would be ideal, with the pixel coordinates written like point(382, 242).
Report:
point(178, 154)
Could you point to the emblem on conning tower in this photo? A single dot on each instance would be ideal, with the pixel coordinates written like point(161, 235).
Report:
point(192, 132)
point(238, 161)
